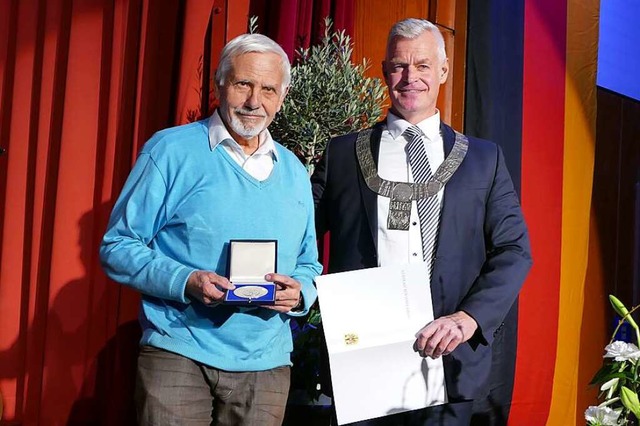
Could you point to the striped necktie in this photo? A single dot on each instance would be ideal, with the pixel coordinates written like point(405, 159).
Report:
point(428, 208)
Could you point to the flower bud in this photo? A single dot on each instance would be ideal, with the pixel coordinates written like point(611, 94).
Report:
point(622, 310)
point(630, 401)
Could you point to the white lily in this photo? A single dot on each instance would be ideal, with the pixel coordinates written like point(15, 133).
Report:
point(622, 351)
point(601, 416)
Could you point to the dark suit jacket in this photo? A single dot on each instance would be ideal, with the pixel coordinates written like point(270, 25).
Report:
point(483, 252)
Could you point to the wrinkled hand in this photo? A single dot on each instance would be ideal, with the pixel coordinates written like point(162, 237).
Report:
point(443, 335)
point(287, 292)
point(207, 287)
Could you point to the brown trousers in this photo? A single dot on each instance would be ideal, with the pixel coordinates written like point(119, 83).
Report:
point(174, 390)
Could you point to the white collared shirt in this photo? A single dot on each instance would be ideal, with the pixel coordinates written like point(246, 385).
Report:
point(397, 247)
point(259, 164)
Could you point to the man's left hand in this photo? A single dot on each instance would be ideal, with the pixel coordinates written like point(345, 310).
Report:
point(443, 335)
point(287, 292)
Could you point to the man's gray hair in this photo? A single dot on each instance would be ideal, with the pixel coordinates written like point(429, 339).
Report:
point(251, 43)
point(412, 28)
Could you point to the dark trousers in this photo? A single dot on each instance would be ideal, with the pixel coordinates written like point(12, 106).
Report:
point(174, 390)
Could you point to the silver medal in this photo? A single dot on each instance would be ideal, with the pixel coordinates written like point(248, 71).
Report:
point(250, 292)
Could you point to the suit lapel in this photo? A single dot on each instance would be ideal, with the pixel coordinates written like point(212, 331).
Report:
point(437, 290)
point(369, 198)
point(448, 139)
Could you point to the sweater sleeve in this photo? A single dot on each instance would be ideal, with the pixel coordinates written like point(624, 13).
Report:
point(307, 265)
point(508, 257)
point(139, 213)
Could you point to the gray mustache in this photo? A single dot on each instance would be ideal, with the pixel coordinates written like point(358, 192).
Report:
point(248, 112)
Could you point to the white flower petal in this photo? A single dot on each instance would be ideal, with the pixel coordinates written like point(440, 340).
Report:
point(622, 351)
point(611, 383)
point(604, 416)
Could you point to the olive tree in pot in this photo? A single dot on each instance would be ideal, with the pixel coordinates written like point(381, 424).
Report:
point(329, 96)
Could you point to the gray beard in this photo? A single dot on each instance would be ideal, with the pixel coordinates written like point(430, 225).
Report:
point(240, 129)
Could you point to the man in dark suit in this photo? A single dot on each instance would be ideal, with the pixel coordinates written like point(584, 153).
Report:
point(461, 216)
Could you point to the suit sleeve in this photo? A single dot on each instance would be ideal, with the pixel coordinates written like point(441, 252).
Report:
point(319, 185)
point(508, 257)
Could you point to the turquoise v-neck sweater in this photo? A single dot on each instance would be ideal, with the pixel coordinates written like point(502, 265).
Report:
point(179, 208)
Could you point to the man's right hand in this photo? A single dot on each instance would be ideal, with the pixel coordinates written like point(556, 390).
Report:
point(207, 287)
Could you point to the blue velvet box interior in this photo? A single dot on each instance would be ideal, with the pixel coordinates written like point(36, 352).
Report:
point(249, 262)
point(238, 296)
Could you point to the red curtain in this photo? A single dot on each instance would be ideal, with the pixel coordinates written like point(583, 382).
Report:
point(83, 84)
point(299, 23)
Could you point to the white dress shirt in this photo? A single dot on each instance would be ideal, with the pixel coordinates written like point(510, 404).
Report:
point(259, 164)
point(396, 247)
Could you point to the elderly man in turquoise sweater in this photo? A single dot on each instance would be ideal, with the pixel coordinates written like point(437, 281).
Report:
point(193, 189)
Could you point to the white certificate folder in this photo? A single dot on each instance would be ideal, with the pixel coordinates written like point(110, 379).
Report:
point(370, 318)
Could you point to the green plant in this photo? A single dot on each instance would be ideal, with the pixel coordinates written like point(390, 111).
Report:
point(329, 96)
point(619, 377)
